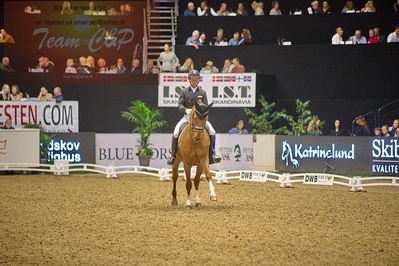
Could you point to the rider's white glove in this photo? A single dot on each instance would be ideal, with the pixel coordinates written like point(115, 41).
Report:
point(188, 111)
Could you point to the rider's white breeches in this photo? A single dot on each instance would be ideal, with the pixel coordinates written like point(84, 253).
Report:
point(186, 118)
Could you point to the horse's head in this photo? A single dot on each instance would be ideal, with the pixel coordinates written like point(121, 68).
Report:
point(198, 118)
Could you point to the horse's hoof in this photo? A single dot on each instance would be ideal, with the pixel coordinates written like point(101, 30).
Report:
point(198, 205)
point(174, 203)
point(188, 207)
point(213, 198)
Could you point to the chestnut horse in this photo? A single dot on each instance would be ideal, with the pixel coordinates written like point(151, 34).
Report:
point(193, 149)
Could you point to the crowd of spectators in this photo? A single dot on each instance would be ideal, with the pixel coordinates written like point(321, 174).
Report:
point(362, 129)
point(374, 36)
point(259, 9)
point(198, 39)
point(14, 94)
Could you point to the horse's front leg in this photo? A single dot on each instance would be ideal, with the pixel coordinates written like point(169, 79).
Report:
point(196, 185)
point(175, 175)
point(208, 176)
point(187, 170)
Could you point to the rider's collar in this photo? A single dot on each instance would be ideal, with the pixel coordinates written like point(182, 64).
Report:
point(193, 89)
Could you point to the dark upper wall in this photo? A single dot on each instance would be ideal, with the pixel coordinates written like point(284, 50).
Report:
point(298, 29)
point(290, 5)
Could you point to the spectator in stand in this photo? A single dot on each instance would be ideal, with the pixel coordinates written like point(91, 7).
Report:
point(90, 65)
point(315, 8)
point(204, 10)
point(372, 37)
point(258, 11)
point(66, 8)
point(101, 66)
point(70, 66)
point(16, 95)
point(377, 132)
point(238, 68)
point(396, 6)
point(189, 12)
point(275, 11)
point(241, 11)
point(246, 37)
point(135, 69)
point(358, 38)
point(315, 128)
point(362, 127)
point(8, 124)
point(5, 37)
point(337, 130)
point(239, 128)
point(57, 97)
point(167, 60)
point(122, 10)
point(193, 40)
point(120, 66)
point(5, 93)
point(49, 66)
point(223, 10)
point(40, 64)
point(187, 67)
point(326, 8)
point(235, 40)
point(92, 9)
point(151, 69)
point(129, 9)
point(112, 12)
point(209, 68)
point(385, 131)
point(228, 66)
point(381, 38)
point(82, 68)
point(219, 39)
point(337, 38)
point(369, 7)
point(44, 95)
point(394, 36)
point(396, 133)
point(348, 8)
point(5, 65)
point(202, 39)
point(394, 128)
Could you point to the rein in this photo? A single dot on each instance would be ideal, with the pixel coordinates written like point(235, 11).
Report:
point(194, 128)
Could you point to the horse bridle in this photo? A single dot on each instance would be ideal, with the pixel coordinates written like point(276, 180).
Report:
point(195, 128)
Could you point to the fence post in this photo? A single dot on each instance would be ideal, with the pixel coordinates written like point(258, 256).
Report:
point(285, 180)
point(163, 174)
point(221, 177)
point(110, 172)
point(356, 183)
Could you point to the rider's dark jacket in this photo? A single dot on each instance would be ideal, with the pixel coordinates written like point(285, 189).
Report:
point(188, 98)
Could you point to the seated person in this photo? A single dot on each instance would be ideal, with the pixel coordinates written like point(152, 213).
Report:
point(5, 93)
point(315, 8)
point(187, 67)
point(5, 65)
point(70, 66)
point(16, 95)
point(202, 39)
point(358, 38)
point(223, 10)
point(337, 38)
point(101, 66)
point(49, 65)
point(57, 97)
point(66, 8)
point(228, 66)
point(369, 7)
point(239, 129)
point(337, 130)
point(189, 12)
point(326, 8)
point(372, 37)
point(381, 38)
point(394, 128)
point(92, 9)
point(396, 6)
point(8, 124)
point(44, 95)
point(235, 40)
point(151, 69)
point(394, 36)
point(204, 10)
point(275, 11)
point(257, 8)
point(238, 68)
point(241, 11)
point(246, 37)
point(348, 8)
point(385, 131)
point(193, 40)
point(377, 132)
point(209, 68)
point(5, 37)
point(136, 69)
point(219, 38)
point(120, 66)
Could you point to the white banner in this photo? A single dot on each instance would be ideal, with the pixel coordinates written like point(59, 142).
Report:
point(225, 90)
point(236, 152)
point(54, 117)
point(19, 146)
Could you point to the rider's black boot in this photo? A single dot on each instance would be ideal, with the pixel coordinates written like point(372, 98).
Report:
point(213, 158)
point(172, 159)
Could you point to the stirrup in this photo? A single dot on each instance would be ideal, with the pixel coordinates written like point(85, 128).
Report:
point(171, 160)
point(214, 159)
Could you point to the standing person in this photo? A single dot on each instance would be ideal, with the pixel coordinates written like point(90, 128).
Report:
point(16, 95)
point(187, 100)
point(275, 11)
point(239, 128)
point(241, 11)
point(5, 93)
point(167, 60)
point(337, 130)
point(204, 10)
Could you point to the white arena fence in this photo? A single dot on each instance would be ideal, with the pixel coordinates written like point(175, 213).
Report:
point(286, 180)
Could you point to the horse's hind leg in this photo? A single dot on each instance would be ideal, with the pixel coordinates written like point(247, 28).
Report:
point(175, 175)
point(187, 170)
point(196, 185)
point(208, 176)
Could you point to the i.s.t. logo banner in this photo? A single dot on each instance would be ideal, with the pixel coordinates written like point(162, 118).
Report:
point(385, 154)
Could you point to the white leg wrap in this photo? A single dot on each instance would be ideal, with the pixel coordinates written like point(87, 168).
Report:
point(197, 196)
point(211, 189)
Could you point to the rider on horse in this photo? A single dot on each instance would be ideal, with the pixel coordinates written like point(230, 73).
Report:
point(187, 100)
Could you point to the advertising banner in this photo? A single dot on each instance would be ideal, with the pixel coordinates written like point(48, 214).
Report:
point(225, 90)
point(75, 147)
point(54, 117)
point(341, 155)
point(19, 146)
point(236, 152)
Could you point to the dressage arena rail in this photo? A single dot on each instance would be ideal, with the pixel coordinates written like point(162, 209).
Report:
point(285, 180)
